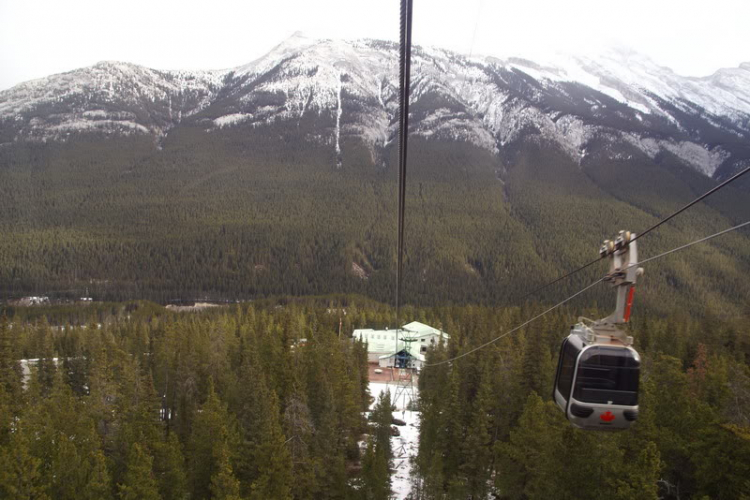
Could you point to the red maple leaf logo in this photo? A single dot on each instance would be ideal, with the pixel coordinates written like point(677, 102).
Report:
point(607, 417)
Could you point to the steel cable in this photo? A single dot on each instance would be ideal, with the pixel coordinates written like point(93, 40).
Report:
point(641, 234)
point(655, 257)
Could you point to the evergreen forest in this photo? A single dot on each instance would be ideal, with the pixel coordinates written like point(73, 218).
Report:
point(250, 213)
point(267, 396)
point(269, 400)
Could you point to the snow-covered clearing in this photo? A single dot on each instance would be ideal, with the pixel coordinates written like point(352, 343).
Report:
point(404, 446)
point(198, 306)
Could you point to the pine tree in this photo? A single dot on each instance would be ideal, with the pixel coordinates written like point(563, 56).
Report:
point(76, 465)
point(372, 480)
point(169, 469)
point(213, 435)
point(68, 446)
point(527, 464)
point(299, 427)
point(224, 485)
point(141, 423)
point(272, 458)
point(432, 404)
point(376, 473)
point(477, 445)
point(139, 483)
point(46, 366)
point(104, 393)
point(253, 395)
point(434, 480)
point(10, 371)
point(452, 431)
point(640, 477)
point(721, 455)
point(328, 449)
point(98, 482)
point(677, 415)
point(21, 474)
point(537, 365)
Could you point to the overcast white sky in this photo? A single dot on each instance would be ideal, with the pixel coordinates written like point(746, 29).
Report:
point(41, 37)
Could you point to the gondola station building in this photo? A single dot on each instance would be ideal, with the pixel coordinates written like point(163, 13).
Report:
point(401, 347)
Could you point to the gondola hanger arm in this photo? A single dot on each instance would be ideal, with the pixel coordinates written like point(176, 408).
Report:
point(622, 253)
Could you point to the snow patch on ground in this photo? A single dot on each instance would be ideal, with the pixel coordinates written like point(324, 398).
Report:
point(456, 126)
point(572, 134)
point(338, 117)
point(78, 125)
point(702, 159)
point(234, 118)
point(705, 160)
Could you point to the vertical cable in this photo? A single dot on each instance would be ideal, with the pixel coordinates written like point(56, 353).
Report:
point(405, 82)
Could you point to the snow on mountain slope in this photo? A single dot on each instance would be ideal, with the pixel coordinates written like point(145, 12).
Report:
point(333, 90)
point(353, 84)
point(634, 79)
point(110, 97)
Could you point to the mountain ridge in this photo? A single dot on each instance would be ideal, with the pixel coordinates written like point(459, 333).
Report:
point(621, 99)
point(279, 179)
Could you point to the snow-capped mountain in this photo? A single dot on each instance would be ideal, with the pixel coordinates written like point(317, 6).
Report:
point(109, 97)
point(618, 103)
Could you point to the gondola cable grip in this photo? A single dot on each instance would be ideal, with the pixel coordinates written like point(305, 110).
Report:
point(622, 253)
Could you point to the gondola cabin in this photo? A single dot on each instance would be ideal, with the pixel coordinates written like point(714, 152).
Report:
point(596, 384)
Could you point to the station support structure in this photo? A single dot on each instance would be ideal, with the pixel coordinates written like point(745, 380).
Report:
point(403, 376)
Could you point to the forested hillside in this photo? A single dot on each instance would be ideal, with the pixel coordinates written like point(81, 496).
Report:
point(248, 213)
point(268, 190)
point(233, 403)
point(490, 426)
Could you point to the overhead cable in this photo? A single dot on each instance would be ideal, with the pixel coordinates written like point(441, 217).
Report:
point(643, 233)
point(655, 257)
point(701, 197)
point(734, 228)
point(405, 82)
point(518, 327)
point(571, 273)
